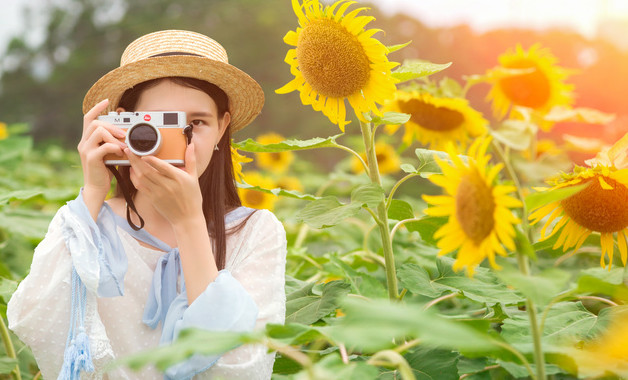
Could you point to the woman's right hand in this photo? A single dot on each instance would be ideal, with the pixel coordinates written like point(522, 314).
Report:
point(99, 139)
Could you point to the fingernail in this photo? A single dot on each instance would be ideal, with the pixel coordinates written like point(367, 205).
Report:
point(122, 145)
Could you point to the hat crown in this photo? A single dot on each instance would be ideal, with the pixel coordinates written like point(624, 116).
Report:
point(173, 42)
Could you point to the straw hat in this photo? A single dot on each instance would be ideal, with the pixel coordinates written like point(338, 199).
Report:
point(183, 54)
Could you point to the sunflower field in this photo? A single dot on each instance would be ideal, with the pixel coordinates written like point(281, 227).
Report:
point(443, 246)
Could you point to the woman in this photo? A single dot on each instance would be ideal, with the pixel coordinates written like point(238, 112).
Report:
point(106, 282)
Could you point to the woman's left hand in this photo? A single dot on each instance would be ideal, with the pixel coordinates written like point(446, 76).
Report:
point(173, 191)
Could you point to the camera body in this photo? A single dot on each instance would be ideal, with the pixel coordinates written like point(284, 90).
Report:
point(161, 134)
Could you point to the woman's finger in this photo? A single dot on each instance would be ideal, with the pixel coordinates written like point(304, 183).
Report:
point(190, 160)
point(92, 114)
point(113, 130)
point(161, 166)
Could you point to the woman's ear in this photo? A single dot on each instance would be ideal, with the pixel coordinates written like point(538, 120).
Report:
point(224, 123)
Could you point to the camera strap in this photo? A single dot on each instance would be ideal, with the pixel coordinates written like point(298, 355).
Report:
point(129, 200)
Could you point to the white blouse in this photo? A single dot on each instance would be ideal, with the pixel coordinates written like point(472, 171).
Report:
point(39, 310)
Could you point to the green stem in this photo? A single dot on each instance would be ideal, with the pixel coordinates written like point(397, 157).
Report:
point(382, 214)
point(539, 358)
point(346, 148)
point(8, 345)
point(394, 189)
point(524, 267)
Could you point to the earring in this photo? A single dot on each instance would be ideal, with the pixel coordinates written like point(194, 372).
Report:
point(216, 147)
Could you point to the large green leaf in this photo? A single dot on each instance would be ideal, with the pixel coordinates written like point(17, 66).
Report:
point(400, 210)
point(484, 287)
point(370, 195)
point(7, 287)
point(250, 145)
point(7, 365)
point(540, 289)
point(29, 223)
point(15, 147)
point(327, 212)
point(591, 284)
point(416, 68)
point(306, 307)
point(565, 321)
point(6, 196)
point(189, 342)
point(433, 364)
point(390, 118)
point(373, 325)
point(292, 333)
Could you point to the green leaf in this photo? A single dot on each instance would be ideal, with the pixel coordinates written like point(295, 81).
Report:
point(370, 195)
point(407, 168)
point(590, 284)
point(417, 280)
point(397, 47)
point(565, 321)
point(362, 283)
point(7, 287)
point(306, 307)
point(517, 134)
point(250, 145)
point(522, 244)
point(426, 227)
point(373, 325)
point(400, 210)
point(484, 287)
point(7, 365)
point(189, 342)
point(536, 200)
point(416, 68)
point(25, 222)
point(331, 367)
point(292, 333)
point(280, 192)
point(14, 147)
point(5, 197)
point(390, 118)
point(433, 364)
point(327, 212)
point(541, 289)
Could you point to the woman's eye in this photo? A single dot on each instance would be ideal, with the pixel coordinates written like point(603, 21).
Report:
point(197, 122)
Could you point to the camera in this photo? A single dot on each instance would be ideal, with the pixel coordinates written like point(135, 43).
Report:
point(164, 135)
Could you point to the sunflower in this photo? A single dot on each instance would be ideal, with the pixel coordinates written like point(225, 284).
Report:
point(607, 353)
point(540, 89)
point(602, 207)
point(290, 183)
point(277, 162)
point(4, 131)
point(388, 161)
point(436, 121)
point(480, 222)
point(335, 59)
point(236, 161)
point(254, 198)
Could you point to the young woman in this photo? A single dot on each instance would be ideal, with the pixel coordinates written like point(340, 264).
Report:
point(100, 287)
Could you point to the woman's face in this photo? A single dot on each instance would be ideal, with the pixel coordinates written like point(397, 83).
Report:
point(201, 111)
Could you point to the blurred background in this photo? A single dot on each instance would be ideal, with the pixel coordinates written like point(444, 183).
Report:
point(52, 51)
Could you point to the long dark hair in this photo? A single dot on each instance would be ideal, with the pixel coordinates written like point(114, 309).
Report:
point(217, 182)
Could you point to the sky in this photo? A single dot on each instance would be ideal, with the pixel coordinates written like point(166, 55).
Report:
point(482, 15)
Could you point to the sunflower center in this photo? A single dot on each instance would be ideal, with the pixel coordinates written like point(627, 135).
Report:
point(598, 209)
point(475, 207)
point(430, 117)
point(254, 197)
point(529, 90)
point(331, 59)
point(276, 157)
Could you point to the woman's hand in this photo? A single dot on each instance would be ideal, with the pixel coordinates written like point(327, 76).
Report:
point(99, 139)
point(173, 191)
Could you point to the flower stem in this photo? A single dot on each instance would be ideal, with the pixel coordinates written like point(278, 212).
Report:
point(382, 213)
point(8, 345)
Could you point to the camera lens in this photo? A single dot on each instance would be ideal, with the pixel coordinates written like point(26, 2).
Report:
point(143, 139)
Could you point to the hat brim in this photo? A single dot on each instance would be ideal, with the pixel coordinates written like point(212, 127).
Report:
point(246, 97)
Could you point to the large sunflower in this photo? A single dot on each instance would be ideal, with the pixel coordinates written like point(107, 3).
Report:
point(277, 162)
point(480, 221)
point(434, 121)
point(540, 89)
point(602, 207)
point(236, 161)
point(335, 59)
